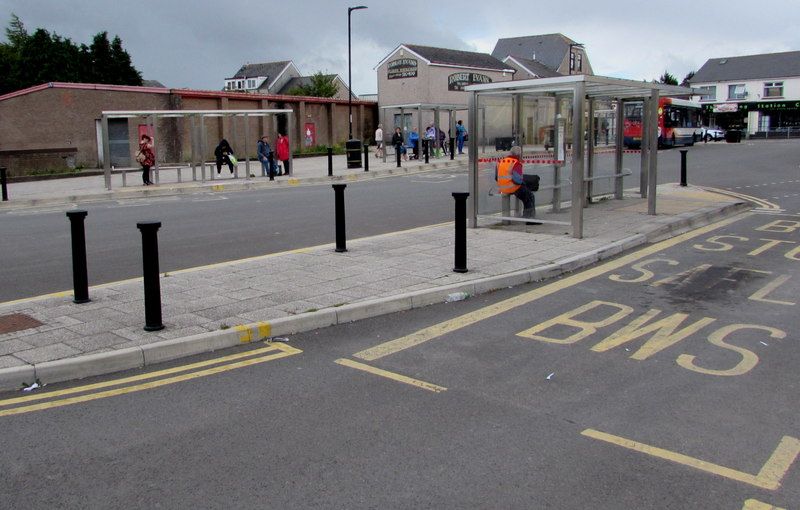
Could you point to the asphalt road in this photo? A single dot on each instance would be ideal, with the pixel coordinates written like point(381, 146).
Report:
point(662, 379)
point(206, 229)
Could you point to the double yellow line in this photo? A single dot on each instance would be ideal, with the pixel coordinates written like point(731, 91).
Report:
point(156, 379)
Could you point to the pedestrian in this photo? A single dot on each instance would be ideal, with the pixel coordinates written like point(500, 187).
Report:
point(442, 142)
point(223, 153)
point(413, 141)
point(282, 151)
point(461, 134)
point(397, 141)
point(146, 157)
point(263, 150)
point(512, 181)
point(379, 149)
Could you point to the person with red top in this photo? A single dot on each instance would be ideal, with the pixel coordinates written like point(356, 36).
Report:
point(146, 157)
point(512, 181)
point(282, 151)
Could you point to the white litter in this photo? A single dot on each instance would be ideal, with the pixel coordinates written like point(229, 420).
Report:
point(764, 343)
point(31, 387)
point(279, 339)
point(551, 376)
point(456, 296)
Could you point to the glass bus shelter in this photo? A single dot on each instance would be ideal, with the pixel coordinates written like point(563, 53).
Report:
point(570, 129)
point(432, 112)
point(198, 133)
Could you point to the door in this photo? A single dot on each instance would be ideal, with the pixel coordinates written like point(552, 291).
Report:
point(119, 146)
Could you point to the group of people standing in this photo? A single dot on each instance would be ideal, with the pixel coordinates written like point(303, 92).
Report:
point(224, 155)
point(434, 136)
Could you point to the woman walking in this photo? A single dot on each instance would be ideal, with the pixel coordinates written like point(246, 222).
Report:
point(146, 158)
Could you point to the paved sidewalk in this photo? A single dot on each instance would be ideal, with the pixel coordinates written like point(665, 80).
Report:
point(218, 306)
point(312, 170)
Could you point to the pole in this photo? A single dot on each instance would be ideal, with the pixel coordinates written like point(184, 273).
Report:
point(4, 183)
point(341, 241)
point(366, 158)
point(152, 286)
point(80, 280)
point(452, 148)
point(461, 232)
point(349, 80)
point(427, 150)
point(397, 154)
point(683, 167)
point(330, 161)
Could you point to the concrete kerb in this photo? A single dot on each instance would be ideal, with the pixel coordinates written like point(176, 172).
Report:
point(150, 354)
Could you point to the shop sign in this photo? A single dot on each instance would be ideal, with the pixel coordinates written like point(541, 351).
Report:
point(725, 107)
point(458, 81)
point(772, 105)
point(402, 68)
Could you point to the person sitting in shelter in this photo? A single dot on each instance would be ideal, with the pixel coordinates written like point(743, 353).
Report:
point(264, 150)
point(223, 153)
point(512, 181)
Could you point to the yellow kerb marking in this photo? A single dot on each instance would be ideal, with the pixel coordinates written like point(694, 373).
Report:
point(254, 332)
point(218, 187)
point(437, 330)
point(391, 375)
point(754, 504)
point(768, 478)
point(293, 182)
point(284, 351)
point(763, 204)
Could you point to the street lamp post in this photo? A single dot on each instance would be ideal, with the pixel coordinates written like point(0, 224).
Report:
point(353, 148)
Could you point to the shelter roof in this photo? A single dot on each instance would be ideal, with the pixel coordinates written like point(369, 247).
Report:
point(749, 67)
point(596, 87)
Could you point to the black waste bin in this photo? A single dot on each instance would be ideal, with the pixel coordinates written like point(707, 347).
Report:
point(733, 136)
point(353, 149)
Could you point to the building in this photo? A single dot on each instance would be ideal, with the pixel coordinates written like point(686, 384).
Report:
point(543, 56)
point(57, 125)
point(414, 74)
point(756, 93)
point(264, 78)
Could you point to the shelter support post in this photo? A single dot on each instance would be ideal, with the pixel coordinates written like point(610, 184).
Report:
point(644, 144)
point(558, 144)
point(106, 152)
point(652, 169)
point(578, 184)
point(472, 199)
point(246, 156)
point(154, 121)
point(590, 154)
point(618, 152)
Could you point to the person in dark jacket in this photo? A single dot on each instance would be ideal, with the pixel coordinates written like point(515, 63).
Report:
point(264, 150)
point(222, 152)
point(397, 141)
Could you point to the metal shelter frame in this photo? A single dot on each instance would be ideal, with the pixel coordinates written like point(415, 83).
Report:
point(198, 134)
point(424, 107)
point(584, 90)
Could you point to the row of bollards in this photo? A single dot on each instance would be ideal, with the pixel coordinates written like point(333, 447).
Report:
point(460, 265)
point(150, 271)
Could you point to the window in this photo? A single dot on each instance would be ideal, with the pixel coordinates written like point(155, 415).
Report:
point(736, 91)
point(251, 84)
point(571, 61)
point(709, 93)
point(773, 89)
point(580, 62)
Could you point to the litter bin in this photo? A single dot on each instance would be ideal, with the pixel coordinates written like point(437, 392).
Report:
point(733, 136)
point(353, 149)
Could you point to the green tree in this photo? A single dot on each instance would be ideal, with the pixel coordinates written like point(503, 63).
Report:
point(320, 85)
point(124, 72)
point(668, 79)
point(687, 79)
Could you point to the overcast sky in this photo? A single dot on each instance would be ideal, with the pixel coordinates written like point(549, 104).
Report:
point(199, 43)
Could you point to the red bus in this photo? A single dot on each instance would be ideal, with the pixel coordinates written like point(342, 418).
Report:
point(678, 122)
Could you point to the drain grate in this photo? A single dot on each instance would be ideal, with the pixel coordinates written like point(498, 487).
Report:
point(17, 322)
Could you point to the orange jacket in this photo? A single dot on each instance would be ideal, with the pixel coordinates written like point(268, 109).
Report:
point(505, 179)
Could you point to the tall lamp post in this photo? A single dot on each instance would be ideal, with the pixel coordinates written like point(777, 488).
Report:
point(353, 147)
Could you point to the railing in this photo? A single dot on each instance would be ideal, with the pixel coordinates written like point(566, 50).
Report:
point(780, 132)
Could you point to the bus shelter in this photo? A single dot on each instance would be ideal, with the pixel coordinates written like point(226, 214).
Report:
point(431, 111)
point(562, 125)
point(197, 131)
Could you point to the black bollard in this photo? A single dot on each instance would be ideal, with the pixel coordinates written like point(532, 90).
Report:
point(683, 167)
point(80, 280)
point(330, 161)
point(427, 148)
point(341, 241)
point(461, 232)
point(452, 148)
point(4, 183)
point(397, 153)
point(152, 285)
point(366, 158)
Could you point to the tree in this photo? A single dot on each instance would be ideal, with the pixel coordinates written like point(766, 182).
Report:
point(42, 57)
point(320, 85)
point(687, 79)
point(668, 79)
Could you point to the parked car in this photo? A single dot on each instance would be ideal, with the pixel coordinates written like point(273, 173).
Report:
point(712, 134)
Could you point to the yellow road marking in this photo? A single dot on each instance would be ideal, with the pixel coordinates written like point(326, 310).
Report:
point(285, 351)
point(754, 504)
point(391, 375)
point(437, 330)
point(763, 204)
point(768, 478)
point(140, 377)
